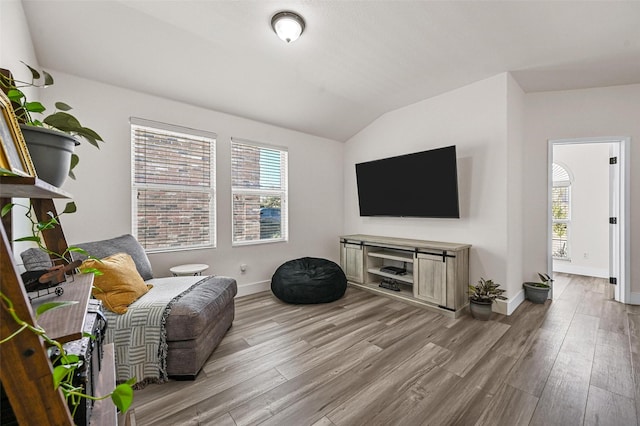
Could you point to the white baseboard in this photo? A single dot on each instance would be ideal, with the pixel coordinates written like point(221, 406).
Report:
point(504, 307)
point(507, 307)
point(634, 299)
point(252, 288)
point(568, 268)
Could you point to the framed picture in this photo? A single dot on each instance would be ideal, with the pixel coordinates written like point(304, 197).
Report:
point(14, 155)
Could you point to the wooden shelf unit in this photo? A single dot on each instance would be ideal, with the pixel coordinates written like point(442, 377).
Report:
point(29, 187)
point(67, 324)
point(437, 273)
point(25, 369)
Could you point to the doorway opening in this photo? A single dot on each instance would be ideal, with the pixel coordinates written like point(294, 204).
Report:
point(588, 196)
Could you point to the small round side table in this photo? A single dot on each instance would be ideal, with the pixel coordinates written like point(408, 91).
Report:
point(190, 269)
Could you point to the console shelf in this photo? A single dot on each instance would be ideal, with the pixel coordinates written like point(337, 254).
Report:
point(406, 278)
point(399, 256)
point(405, 294)
point(437, 276)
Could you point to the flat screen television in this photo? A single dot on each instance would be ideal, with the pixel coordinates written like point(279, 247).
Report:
point(421, 184)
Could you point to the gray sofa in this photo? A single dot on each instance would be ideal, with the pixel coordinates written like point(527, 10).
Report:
point(197, 321)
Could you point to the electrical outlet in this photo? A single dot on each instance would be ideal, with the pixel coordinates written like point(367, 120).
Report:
point(586, 255)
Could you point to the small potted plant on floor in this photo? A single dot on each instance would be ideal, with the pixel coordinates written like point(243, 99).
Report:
point(482, 296)
point(52, 139)
point(538, 292)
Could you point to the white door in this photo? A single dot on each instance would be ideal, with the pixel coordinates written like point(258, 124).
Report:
point(613, 290)
point(620, 213)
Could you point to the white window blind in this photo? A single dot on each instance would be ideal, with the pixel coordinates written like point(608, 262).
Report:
point(259, 192)
point(173, 186)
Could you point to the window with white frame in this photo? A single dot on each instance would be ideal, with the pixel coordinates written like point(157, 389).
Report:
point(173, 186)
point(561, 212)
point(259, 192)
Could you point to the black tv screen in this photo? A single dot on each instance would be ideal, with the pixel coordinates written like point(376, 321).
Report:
point(422, 184)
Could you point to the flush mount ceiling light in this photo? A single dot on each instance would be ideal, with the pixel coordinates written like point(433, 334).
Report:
point(287, 25)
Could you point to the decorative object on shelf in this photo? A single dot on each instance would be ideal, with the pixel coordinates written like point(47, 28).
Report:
point(482, 296)
point(52, 140)
point(43, 280)
point(389, 284)
point(288, 26)
point(538, 292)
point(14, 155)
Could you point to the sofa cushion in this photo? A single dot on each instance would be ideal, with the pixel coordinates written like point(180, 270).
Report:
point(185, 358)
point(120, 284)
point(197, 310)
point(122, 244)
point(34, 258)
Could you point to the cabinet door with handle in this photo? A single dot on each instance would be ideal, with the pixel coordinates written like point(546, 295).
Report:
point(430, 282)
point(352, 260)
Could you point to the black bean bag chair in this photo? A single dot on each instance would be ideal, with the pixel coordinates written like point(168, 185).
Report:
point(309, 280)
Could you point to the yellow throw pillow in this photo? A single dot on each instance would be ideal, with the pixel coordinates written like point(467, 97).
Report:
point(120, 283)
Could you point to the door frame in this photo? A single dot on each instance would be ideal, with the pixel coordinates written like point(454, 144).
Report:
point(622, 188)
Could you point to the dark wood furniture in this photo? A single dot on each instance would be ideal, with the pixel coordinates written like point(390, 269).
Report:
point(25, 369)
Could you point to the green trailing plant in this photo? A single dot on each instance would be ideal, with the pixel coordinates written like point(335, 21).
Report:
point(52, 221)
point(28, 112)
point(486, 291)
point(65, 365)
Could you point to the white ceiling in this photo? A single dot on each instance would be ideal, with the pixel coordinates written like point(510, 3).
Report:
point(355, 61)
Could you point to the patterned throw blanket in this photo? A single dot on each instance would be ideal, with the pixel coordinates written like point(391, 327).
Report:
point(139, 334)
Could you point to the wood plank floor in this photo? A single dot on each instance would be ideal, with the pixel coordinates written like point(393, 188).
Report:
point(369, 360)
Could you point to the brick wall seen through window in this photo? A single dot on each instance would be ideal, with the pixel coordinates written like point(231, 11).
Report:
point(173, 186)
point(259, 192)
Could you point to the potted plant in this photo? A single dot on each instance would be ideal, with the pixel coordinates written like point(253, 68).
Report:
point(481, 297)
point(538, 292)
point(51, 141)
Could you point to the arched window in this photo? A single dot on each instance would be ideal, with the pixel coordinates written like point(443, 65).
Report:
point(561, 211)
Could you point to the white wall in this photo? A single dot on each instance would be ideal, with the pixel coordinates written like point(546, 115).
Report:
point(15, 39)
point(599, 112)
point(502, 137)
point(103, 189)
point(474, 118)
point(589, 229)
point(16, 46)
point(515, 215)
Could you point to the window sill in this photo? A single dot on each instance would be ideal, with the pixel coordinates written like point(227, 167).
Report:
point(258, 242)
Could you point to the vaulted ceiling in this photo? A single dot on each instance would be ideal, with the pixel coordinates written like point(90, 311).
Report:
point(355, 61)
